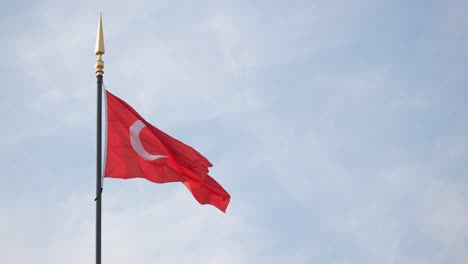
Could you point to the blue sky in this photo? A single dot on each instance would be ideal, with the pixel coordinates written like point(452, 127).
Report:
point(339, 128)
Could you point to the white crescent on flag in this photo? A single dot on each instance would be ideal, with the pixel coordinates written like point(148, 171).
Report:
point(135, 130)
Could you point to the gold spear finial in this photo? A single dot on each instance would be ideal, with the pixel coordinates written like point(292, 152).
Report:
point(99, 48)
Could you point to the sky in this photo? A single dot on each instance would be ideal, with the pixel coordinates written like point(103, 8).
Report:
point(339, 128)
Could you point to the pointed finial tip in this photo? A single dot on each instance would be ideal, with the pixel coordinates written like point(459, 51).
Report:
point(99, 48)
point(100, 38)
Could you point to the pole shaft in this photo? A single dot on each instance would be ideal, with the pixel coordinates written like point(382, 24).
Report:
point(98, 168)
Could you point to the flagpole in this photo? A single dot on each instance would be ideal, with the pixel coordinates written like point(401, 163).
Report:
point(99, 76)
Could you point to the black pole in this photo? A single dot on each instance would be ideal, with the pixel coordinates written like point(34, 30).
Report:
point(98, 168)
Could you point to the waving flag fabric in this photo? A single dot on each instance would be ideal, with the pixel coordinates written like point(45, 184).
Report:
point(137, 149)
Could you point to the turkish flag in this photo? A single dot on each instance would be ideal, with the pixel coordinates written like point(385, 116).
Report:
point(137, 149)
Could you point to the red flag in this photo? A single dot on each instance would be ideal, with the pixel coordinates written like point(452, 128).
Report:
point(137, 149)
